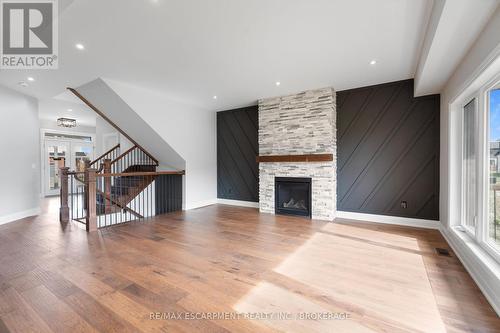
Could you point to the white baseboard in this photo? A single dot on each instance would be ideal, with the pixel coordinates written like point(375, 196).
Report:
point(483, 269)
point(200, 204)
point(404, 221)
point(19, 215)
point(238, 203)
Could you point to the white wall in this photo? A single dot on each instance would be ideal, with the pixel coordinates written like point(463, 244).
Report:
point(103, 128)
point(20, 169)
point(189, 130)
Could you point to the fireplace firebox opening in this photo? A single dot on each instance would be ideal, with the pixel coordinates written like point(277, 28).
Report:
point(292, 196)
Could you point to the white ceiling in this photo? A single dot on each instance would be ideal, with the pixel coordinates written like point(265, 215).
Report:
point(51, 109)
point(453, 27)
point(191, 50)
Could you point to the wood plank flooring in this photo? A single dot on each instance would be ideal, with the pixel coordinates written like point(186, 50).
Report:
point(279, 273)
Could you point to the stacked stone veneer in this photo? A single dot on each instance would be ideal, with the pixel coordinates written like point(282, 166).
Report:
point(298, 124)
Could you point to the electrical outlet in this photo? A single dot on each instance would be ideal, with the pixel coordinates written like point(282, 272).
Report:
point(404, 204)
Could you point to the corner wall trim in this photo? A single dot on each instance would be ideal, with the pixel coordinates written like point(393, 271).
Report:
point(19, 215)
point(483, 269)
point(238, 203)
point(404, 221)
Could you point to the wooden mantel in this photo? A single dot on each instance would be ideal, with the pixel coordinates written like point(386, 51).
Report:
point(295, 158)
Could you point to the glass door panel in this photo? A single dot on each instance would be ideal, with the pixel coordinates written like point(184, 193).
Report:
point(56, 153)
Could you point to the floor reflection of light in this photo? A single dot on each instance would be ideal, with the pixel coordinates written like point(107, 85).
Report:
point(380, 275)
point(270, 299)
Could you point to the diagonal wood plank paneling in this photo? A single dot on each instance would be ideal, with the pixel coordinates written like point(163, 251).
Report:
point(388, 151)
point(237, 148)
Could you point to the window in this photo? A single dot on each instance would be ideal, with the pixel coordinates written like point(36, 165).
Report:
point(479, 170)
point(469, 160)
point(493, 223)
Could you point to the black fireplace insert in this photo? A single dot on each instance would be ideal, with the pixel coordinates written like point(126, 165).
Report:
point(292, 196)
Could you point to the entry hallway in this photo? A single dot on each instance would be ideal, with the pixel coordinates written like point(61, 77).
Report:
point(58, 278)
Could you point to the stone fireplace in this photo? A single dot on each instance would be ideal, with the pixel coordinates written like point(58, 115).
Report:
point(297, 139)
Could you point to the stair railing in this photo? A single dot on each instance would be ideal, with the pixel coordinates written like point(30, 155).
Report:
point(135, 196)
point(111, 154)
point(133, 159)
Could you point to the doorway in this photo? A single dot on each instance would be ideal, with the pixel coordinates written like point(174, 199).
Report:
point(61, 150)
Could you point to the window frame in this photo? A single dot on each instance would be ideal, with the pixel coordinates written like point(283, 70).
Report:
point(463, 223)
point(483, 239)
point(480, 234)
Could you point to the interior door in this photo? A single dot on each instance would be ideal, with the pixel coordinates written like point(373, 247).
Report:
point(56, 156)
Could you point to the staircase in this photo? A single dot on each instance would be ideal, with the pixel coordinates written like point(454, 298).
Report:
point(124, 189)
point(118, 187)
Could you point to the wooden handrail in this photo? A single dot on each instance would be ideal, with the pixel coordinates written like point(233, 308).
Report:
point(86, 101)
point(104, 155)
point(130, 174)
point(149, 155)
point(76, 172)
point(123, 154)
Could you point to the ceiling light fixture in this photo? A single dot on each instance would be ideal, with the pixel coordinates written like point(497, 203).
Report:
point(70, 110)
point(373, 62)
point(215, 96)
point(31, 79)
point(278, 83)
point(80, 46)
point(66, 122)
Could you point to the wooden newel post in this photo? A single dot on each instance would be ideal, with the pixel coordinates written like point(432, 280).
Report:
point(64, 208)
point(107, 186)
point(91, 197)
point(85, 198)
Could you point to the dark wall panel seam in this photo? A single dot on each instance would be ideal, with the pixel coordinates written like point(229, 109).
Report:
point(379, 150)
point(409, 184)
point(239, 172)
point(423, 128)
point(357, 115)
point(372, 126)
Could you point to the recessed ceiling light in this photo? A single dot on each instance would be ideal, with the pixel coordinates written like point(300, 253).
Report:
point(31, 79)
point(215, 96)
point(23, 84)
point(373, 62)
point(278, 83)
point(80, 46)
point(70, 110)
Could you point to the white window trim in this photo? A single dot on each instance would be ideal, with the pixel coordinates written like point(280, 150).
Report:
point(484, 129)
point(463, 225)
point(481, 265)
point(480, 234)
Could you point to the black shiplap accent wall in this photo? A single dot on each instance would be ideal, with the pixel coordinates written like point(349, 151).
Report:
point(237, 149)
point(168, 193)
point(388, 151)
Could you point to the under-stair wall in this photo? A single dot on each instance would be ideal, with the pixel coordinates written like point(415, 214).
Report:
point(179, 135)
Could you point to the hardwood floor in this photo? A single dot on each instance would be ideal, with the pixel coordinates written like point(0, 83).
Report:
point(220, 260)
